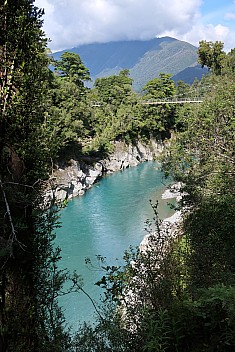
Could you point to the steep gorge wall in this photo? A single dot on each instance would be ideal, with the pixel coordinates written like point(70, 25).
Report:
point(77, 176)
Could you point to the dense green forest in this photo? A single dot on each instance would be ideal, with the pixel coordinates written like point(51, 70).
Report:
point(179, 294)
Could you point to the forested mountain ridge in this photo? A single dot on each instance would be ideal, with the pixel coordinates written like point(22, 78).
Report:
point(145, 59)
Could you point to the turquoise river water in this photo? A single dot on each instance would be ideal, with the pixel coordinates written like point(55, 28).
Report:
point(106, 221)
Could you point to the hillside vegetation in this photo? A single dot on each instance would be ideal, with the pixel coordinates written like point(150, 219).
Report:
point(145, 59)
point(171, 57)
point(179, 294)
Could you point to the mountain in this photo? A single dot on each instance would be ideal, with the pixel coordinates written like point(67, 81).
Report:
point(145, 59)
point(189, 74)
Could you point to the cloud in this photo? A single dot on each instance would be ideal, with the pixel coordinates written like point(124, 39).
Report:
point(230, 16)
point(212, 33)
point(69, 23)
point(207, 32)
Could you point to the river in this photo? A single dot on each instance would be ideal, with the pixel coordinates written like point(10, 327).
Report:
point(106, 221)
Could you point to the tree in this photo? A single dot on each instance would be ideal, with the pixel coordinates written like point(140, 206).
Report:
point(158, 119)
point(114, 89)
point(67, 113)
point(202, 158)
point(26, 228)
point(67, 116)
point(229, 64)
point(162, 87)
point(67, 119)
point(112, 118)
point(183, 89)
point(211, 55)
point(70, 67)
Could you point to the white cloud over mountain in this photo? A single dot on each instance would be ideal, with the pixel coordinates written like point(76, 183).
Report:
point(70, 23)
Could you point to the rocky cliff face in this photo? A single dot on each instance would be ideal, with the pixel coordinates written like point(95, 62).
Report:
point(78, 175)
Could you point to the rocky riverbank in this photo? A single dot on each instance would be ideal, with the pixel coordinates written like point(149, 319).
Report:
point(169, 226)
point(72, 177)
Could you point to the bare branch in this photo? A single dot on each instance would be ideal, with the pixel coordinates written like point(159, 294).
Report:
point(13, 236)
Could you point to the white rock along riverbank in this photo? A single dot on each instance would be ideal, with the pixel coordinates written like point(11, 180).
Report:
point(169, 226)
point(74, 177)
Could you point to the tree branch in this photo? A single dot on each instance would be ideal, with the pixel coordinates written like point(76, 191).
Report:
point(13, 236)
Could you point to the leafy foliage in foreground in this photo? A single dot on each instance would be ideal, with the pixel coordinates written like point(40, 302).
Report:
point(155, 308)
point(30, 319)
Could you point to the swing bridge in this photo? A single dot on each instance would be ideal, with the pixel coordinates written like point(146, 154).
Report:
point(172, 100)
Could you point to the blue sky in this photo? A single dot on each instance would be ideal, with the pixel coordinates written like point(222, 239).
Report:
point(219, 11)
point(216, 10)
point(69, 23)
